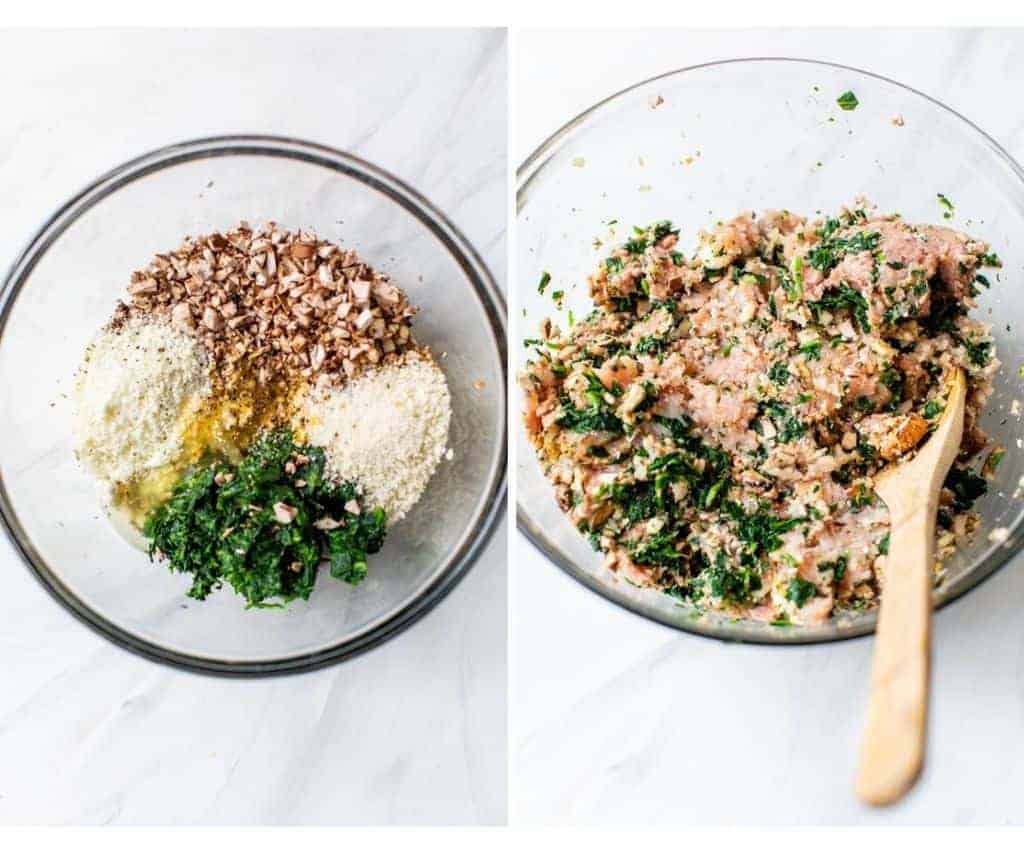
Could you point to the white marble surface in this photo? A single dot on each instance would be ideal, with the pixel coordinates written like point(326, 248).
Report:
point(411, 732)
point(619, 720)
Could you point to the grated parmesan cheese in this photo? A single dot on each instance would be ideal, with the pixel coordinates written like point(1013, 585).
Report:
point(138, 384)
point(387, 431)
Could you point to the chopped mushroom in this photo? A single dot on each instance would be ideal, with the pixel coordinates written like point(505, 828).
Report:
point(284, 513)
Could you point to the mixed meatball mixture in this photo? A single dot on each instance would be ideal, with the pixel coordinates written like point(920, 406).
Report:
point(713, 426)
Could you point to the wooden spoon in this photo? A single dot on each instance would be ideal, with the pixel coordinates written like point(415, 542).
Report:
point(892, 751)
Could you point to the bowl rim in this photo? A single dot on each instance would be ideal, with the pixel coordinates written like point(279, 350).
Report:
point(721, 628)
point(492, 502)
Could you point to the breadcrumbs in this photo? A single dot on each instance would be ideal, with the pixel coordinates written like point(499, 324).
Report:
point(405, 408)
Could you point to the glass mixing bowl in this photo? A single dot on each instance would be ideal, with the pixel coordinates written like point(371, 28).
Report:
point(63, 288)
point(707, 142)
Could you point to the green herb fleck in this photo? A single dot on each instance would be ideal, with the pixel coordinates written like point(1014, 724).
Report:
point(649, 345)
point(759, 530)
point(794, 284)
point(811, 350)
point(800, 591)
point(844, 297)
point(862, 496)
point(788, 426)
point(966, 487)
point(837, 567)
point(848, 101)
point(992, 461)
point(827, 254)
point(597, 417)
point(730, 583)
point(779, 373)
point(977, 351)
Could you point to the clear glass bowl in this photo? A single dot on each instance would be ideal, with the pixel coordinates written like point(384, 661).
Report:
point(756, 134)
point(63, 288)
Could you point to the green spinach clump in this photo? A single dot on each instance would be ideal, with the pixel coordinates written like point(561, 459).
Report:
point(827, 254)
point(598, 416)
point(844, 297)
point(228, 523)
point(760, 531)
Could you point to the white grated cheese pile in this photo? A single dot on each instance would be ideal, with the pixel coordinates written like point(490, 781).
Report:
point(136, 387)
point(387, 431)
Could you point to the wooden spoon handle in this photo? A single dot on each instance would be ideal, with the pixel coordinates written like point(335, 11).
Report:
point(892, 751)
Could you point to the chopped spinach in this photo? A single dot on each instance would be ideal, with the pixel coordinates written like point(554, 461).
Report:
point(800, 591)
point(639, 501)
point(966, 487)
point(596, 417)
point(730, 583)
point(705, 468)
point(837, 567)
point(978, 352)
point(992, 461)
point(811, 350)
point(827, 254)
point(779, 373)
point(651, 235)
point(760, 531)
point(862, 496)
point(844, 297)
point(793, 283)
point(658, 550)
point(649, 345)
point(892, 378)
point(228, 523)
point(848, 101)
point(591, 419)
point(787, 425)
